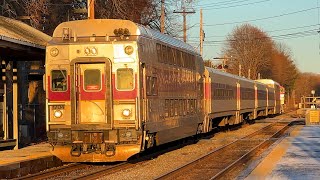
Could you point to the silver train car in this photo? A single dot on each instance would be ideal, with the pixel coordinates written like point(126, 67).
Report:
point(115, 88)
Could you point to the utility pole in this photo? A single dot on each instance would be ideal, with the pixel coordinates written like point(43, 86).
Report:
point(201, 33)
point(184, 13)
point(162, 17)
point(90, 4)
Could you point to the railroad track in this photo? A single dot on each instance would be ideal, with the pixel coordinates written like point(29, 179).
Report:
point(77, 171)
point(216, 164)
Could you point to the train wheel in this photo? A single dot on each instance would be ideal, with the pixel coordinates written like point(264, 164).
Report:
point(199, 132)
point(151, 141)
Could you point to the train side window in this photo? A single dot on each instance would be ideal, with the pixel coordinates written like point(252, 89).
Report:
point(148, 85)
point(166, 107)
point(181, 107)
point(152, 86)
point(159, 55)
point(164, 54)
point(178, 57)
point(171, 107)
point(59, 80)
point(170, 56)
point(185, 107)
point(125, 79)
point(193, 62)
point(176, 107)
point(188, 106)
point(174, 56)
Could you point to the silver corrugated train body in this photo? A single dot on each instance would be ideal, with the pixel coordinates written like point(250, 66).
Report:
point(115, 88)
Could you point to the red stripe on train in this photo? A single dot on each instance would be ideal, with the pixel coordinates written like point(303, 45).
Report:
point(207, 90)
point(58, 96)
point(91, 93)
point(118, 95)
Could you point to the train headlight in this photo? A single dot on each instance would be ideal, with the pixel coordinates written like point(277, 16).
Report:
point(128, 134)
point(126, 112)
point(128, 50)
point(94, 51)
point(87, 51)
point(54, 52)
point(60, 135)
point(57, 113)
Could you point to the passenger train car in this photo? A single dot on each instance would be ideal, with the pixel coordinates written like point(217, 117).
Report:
point(115, 88)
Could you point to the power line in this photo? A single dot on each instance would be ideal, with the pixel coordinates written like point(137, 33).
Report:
point(225, 4)
point(233, 6)
point(277, 30)
point(265, 18)
point(221, 3)
point(277, 37)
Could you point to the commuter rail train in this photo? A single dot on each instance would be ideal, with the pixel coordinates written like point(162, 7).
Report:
point(115, 88)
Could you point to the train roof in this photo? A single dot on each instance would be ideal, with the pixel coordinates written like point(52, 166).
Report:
point(106, 27)
point(216, 71)
point(268, 82)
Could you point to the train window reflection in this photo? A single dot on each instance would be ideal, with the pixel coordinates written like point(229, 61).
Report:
point(125, 79)
point(59, 80)
point(92, 80)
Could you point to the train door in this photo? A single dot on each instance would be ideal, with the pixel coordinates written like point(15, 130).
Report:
point(93, 95)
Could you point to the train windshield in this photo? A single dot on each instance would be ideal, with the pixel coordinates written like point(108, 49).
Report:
point(59, 80)
point(125, 79)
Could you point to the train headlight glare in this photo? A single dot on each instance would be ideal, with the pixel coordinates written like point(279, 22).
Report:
point(94, 51)
point(128, 50)
point(54, 52)
point(126, 112)
point(87, 51)
point(128, 134)
point(57, 114)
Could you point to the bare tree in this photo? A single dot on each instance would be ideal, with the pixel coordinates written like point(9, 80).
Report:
point(145, 12)
point(307, 82)
point(45, 15)
point(251, 48)
point(283, 69)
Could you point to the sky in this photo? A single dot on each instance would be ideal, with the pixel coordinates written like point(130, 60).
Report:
point(291, 22)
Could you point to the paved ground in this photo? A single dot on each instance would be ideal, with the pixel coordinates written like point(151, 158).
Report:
point(296, 157)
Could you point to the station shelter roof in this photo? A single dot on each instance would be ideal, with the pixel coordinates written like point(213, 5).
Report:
point(19, 41)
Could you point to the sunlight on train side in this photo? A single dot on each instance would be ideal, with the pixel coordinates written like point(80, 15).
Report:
point(124, 53)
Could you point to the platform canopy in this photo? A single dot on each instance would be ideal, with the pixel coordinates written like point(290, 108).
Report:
point(19, 41)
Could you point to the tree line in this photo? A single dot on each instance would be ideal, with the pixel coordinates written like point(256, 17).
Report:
point(253, 53)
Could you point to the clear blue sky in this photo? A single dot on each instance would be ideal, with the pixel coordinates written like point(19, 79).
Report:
point(293, 16)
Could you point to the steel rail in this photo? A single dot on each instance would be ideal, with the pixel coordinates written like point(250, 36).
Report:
point(54, 171)
point(178, 171)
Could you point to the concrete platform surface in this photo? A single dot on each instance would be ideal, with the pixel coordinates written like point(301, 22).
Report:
point(31, 159)
point(295, 157)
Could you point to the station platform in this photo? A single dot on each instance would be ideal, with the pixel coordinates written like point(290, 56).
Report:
point(31, 159)
point(7, 144)
point(297, 156)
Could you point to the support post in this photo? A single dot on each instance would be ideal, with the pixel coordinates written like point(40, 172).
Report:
point(184, 14)
point(162, 16)
point(9, 96)
point(201, 33)
point(15, 109)
point(90, 4)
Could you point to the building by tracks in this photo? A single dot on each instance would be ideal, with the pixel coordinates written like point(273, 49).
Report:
point(22, 55)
